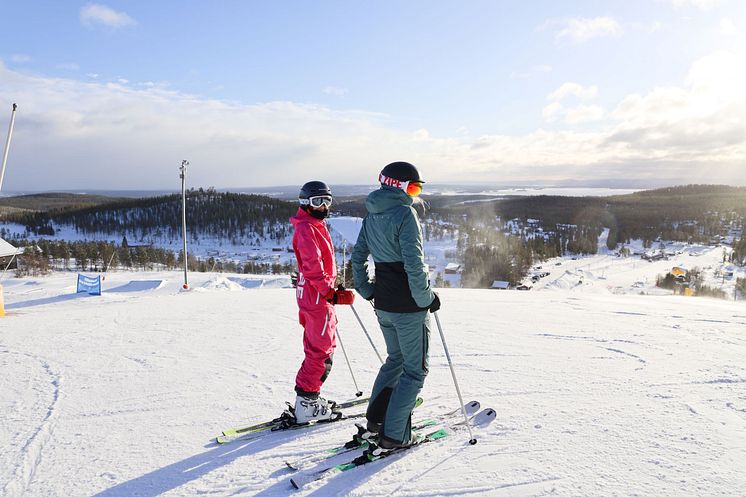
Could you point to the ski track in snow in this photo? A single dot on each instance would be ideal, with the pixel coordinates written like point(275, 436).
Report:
point(29, 456)
point(596, 394)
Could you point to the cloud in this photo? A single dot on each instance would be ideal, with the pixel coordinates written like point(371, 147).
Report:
point(551, 112)
point(705, 120)
point(75, 134)
point(20, 58)
point(555, 111)
point(695, 132)
point(94, 14)
point(573, 89)
point(581, 30)
point(697, 4)
point(584, 114)
point(728, 27)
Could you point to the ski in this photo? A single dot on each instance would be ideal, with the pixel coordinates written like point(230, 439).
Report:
point(269, 424)
point(351, 446)
point(481, 419)
point(299, 481)
point(242, 437)
point(357, 443)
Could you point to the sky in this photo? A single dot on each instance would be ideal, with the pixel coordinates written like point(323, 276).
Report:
point(114, 95)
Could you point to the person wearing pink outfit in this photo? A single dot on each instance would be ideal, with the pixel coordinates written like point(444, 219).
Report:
point(315, 292)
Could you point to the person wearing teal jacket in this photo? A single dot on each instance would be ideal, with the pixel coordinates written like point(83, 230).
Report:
point(402, 297)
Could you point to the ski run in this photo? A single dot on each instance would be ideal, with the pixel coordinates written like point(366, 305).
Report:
point(596, 393)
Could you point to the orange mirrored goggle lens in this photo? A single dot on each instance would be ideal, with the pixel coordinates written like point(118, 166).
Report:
point(414, 189)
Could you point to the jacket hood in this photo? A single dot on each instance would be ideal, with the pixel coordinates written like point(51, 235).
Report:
point(304, 217)
point(385, 198)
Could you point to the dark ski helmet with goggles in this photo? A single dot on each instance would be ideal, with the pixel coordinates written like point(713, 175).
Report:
point(402, 175)
point(313, 195)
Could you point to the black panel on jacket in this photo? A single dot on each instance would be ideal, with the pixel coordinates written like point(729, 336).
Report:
point(392, 289)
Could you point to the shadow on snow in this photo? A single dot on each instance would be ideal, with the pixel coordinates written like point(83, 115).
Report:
point(195, 467)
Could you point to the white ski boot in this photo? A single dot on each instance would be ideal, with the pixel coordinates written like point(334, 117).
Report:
point(309, 409)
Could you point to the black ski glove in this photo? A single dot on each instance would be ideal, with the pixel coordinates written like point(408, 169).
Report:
point(332, 297)
point(435, 305)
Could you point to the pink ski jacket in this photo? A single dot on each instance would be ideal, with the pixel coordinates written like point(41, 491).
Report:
point(317, 270)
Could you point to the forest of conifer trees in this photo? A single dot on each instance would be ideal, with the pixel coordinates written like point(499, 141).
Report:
point(494, 239)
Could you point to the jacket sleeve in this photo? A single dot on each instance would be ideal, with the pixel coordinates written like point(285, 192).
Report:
point(360, 266)
point(313, 270)
point(410, 241)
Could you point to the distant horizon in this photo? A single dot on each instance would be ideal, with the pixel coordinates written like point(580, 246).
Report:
point(345, 190)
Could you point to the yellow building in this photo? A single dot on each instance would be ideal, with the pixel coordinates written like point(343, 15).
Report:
point(679, 272)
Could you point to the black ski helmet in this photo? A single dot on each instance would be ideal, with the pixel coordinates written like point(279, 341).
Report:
point(402, 171)
point(314, 189)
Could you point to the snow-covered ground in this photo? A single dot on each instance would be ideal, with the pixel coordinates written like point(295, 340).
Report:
point(634, 275)
point(597, 394)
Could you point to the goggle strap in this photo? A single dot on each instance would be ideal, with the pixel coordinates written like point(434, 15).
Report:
point(402, 185)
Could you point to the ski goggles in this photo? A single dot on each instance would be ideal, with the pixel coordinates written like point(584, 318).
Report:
point(413, 188)
point(317, 201)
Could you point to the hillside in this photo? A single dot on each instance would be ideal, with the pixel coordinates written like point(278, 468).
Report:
point(493, 238)
point(209, 213)
point(596, 394)
point(42, 202)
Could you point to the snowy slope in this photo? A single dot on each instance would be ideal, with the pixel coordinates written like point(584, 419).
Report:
point(597, 394)
point(633, 275)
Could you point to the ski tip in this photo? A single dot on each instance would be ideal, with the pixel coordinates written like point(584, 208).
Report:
point(290, 466)
point(294, 484)
point(485, 417)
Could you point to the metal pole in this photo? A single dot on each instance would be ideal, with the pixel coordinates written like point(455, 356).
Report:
point(366, 333)
point(7, 144)
point(111, 258)
point(344, 263)
point(359, 393)
point(2, 276)
point(183, 169)
point(472, 440)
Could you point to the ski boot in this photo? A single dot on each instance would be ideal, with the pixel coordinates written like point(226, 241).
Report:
point(309, 409)
point(384, 445)
point(364, 435)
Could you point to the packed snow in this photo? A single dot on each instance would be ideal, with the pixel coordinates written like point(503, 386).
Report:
point(598, 391)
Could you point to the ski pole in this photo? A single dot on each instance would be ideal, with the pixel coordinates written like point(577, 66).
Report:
point(359, 392)
point(472, 440)
point(366, 333)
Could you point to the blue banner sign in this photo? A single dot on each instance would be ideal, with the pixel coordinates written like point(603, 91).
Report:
point(89, 284)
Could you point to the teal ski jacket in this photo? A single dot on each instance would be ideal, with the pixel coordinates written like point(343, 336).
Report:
point(391, 233)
